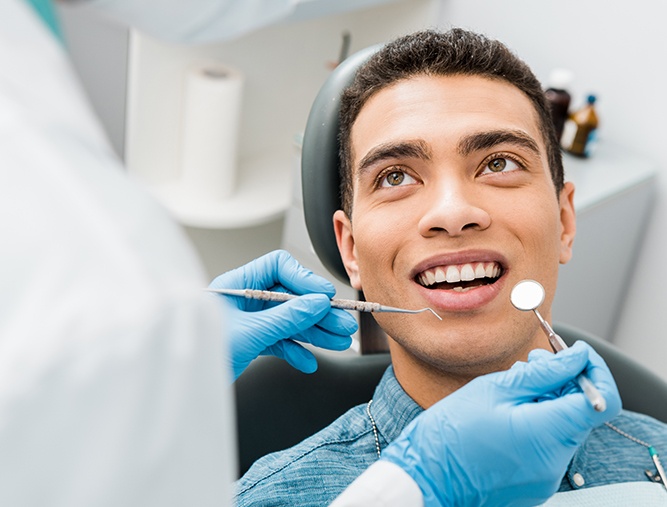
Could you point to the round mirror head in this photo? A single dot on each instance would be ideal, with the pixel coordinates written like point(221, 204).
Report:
point(527, 295)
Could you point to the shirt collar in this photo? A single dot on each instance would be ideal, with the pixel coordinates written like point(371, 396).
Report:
point(392, 407)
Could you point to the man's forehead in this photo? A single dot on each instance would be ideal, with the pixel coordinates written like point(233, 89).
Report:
point(423, 96)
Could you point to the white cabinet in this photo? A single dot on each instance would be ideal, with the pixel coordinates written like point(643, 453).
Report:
point(614, 192)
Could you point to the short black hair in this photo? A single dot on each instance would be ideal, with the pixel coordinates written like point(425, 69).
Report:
point(435, 53)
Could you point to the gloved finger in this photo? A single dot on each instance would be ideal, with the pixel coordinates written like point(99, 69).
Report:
point(298, 279)
point(539, 353)
point(296, 355)
point(276, 268)
point(323, 339)
point(290, 318)
point(546, 374)
point(280, 268)
point(572, 414)
point(598, 372)
point(339, 322)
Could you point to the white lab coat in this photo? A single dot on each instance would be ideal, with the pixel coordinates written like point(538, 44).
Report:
point(113, 389)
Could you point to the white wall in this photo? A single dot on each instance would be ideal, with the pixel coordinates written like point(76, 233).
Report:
point(91, 39)
point(284, 67)
point(616, 50)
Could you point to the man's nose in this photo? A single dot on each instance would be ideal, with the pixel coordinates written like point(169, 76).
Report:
point(452, 207)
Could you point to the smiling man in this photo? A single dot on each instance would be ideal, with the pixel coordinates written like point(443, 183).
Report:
point(452, 203)
point(453, 191)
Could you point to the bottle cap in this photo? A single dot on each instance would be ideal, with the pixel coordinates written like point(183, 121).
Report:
point(591, 99)
point(560, 79)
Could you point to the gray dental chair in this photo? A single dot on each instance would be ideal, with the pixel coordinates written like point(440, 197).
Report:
point(278, 406)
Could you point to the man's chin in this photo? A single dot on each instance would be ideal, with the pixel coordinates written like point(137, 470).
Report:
point(457, 360)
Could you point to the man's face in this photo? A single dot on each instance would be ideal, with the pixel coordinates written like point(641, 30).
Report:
point(451, 182)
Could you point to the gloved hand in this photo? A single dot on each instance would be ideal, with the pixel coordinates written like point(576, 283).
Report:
point(267, 328)
point(506, 438)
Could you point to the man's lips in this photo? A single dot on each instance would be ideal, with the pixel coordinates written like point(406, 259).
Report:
point(460, 282)
point(460, 277)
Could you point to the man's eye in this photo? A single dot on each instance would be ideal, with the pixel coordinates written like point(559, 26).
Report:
point(397, 178)
point(500, 164)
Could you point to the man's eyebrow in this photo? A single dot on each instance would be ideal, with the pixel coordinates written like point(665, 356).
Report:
point(404, 149)
point(489, 139)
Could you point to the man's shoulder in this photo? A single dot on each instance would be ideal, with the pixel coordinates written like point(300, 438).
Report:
point(617, 452)
point(639, 426)
point(314, 471)
point(628, 434)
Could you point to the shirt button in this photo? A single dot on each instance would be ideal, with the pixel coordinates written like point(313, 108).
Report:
point(578, 480)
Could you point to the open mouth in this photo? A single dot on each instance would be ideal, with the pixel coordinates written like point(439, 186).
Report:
point(460, 277)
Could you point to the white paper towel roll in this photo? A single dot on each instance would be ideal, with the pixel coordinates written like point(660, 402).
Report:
point(211, 117)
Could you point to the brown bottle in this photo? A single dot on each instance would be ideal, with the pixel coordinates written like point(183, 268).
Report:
point(558, 98)
point(580, 131)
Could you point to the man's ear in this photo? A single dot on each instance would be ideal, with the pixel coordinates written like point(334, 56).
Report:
point(346, 247)
point(568, 222)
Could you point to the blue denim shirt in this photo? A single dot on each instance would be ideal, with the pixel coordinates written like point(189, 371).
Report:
point(318, 469)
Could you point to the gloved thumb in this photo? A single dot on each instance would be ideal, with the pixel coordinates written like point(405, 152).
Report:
point(297, 315)
point(534, 379)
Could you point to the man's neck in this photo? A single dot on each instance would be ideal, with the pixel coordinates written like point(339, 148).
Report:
point(427, 384)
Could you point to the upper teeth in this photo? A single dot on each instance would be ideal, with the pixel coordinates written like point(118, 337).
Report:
point(457, 273)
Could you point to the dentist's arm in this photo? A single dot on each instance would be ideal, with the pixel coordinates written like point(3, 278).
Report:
point(503, 439)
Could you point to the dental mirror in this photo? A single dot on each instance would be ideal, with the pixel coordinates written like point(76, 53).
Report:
point(527, 295)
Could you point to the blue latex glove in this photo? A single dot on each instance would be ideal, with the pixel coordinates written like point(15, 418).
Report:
point(506, 438)
point(267, 328)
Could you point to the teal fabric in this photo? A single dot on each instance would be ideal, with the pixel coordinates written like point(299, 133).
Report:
point(47, 13)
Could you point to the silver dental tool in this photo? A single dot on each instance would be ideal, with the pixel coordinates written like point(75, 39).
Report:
point(345, 304)
point(528, 295)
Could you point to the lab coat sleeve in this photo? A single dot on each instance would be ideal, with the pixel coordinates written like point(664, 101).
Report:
point(383, 484)
point(112, 382)
point(194, 21)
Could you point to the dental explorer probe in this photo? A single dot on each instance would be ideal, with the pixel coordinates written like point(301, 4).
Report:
point(345, 304)
point(528, 295)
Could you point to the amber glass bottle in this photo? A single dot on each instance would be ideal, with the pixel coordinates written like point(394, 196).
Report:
point(580, 131)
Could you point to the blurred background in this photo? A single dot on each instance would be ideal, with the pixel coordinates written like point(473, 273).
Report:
point(614, 50)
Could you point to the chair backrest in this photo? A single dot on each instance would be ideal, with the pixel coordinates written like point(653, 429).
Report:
point(320, 179)
point(278, 406)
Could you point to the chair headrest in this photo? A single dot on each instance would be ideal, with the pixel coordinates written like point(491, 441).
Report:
point(320, 164)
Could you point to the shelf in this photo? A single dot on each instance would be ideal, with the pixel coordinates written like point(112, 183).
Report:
point(610, 170)
point(263, 194)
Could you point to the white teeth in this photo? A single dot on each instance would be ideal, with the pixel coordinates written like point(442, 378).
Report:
point(453, 274)
point(480, 272)
point(467, 273)
point(457, 273)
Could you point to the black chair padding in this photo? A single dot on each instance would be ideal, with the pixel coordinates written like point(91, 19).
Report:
point(320, 178)
point(278, 406)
